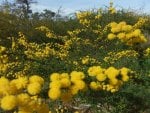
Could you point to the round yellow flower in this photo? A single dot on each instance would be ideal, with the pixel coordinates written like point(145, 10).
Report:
point(21, 82)
point(125, 78)
point(137, 32)
point(115, 29)
point(4, 86)
point(121, 35)
point(55, 84)
point(65, 82)
point(113, 24)
point(64, 75)
point(23, 99)
point(8, 102)
point(54, 93)
point(123, 23)
point(55, 76)
point(101, 77)
point(111, 36)
point(75, 75)
point(80, 84)
point(94, 70)
point(34, 88)
point(112, 72)
point(127, 28)
point(94, 85)
point(74, 89)
point(124, 71)
point(36, 78)
point(114, 81)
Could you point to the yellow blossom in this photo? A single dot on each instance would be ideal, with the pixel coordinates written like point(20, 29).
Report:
point(36, 78)
point(8, 102)
point(34, 88)
point(54, 93)
point(111, 36)
point(55, 76)
point(101, 77)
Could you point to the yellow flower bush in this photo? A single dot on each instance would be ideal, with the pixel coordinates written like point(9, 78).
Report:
point(128, 34)
point(115, 78)
point(66, 85)
point(115, 56)
point(84, 59)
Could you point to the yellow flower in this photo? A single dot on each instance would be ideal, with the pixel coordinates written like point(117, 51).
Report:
point(142, 38)
point(94, 70)
point(113, 90)
point(54, 93)
point(124, 71)
point(34, 88)
point(2, 49)
point(20, 83)
point(123, 23)
point(127, 28)
point(137, 32)
point(115, 29)
point(112, 72)
point(65, 82)
point(109, 87)
point(94, 85)
point(80, 84)
point(121, 35)
point(113, 24)
point(125, 78)
point(8, 102)
point(55, 84)
point(74, 89)
point(113, 81)
point(111, 36)
point(64, 75)
point(23, 99)
point(75, 75)
point(85, 60)
point(36, 78)
point(101, 77)
point(129, 35)
point(76, 112)
point(55, 76)
point(4, 86)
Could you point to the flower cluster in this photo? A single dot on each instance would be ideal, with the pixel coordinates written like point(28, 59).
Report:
point(147, 52)
point(140, 23)
point(126, 33)
point(66, 85)
point(3, 60)
point(49, 33)
point(114, 56)
point(83, 18)
point(109, 79)
point(2, 49)
point(86, 18)
point(21, 95)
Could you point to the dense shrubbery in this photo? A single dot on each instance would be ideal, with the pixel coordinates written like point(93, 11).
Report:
point(97, 61)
